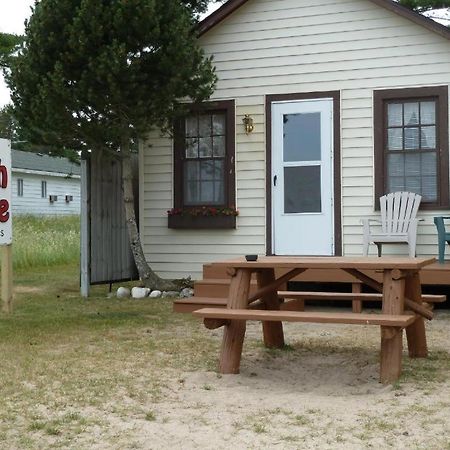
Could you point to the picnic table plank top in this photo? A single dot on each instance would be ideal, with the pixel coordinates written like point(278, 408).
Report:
point(329, 262)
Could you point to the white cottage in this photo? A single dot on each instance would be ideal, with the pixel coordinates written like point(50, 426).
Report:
point(44, 185)
point(355, 92)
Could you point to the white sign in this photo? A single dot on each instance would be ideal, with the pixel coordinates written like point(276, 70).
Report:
point(5, 193)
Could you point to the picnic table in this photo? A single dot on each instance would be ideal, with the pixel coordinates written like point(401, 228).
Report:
point(400, 293)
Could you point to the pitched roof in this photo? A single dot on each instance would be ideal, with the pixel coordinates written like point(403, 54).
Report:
point(43, 163)
point(232, 5)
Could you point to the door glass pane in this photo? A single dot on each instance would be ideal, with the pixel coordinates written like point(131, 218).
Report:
point(427, 113)
point(301, 137)
point(395, 114)
point(302, 193)
point(411, 113)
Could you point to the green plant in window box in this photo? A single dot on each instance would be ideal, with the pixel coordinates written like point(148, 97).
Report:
point(202, 217)
point(203, 211)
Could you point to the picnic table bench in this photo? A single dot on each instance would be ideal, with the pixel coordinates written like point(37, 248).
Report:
point(400, 293)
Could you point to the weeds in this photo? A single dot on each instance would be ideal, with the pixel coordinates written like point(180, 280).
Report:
point(45, 241)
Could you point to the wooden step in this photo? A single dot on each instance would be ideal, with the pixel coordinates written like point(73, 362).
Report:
point(388, 320)
point(304, 295)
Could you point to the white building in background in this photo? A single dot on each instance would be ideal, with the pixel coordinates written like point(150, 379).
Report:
point(44, 185)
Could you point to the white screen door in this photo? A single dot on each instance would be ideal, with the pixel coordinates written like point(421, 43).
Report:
point(302, 177)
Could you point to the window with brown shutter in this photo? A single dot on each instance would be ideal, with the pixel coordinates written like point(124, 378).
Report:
point(204, 148)
point(411, 143)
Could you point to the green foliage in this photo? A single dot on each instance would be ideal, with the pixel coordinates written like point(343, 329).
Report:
point(93, 75)
point(7, 123)
point(45, 241)
point(8, 43)
point(425, 5)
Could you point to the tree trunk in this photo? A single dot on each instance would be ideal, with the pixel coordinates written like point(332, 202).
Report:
point(146, 274)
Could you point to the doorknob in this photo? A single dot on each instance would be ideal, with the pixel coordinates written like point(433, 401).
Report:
point(275, 180)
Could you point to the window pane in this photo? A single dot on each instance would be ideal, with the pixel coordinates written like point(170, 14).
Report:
point(191, 171)
point(219, 192)
point(396, 184)
point(191, 148)
point(395, 114)
point(429, 164)
point(411, 138)
point(204, 125)
point(301, 137)
point(412, 184)
point(218, 124)
point(207, 170)
point(207, 192)
point(219, 170)
point(429, 189)
point(412, 164)
point(191, 193)
point(205, 147)
point(395, 138)
point(428, 137)
point(411, 113)
point(191, 126)
point(396, 165)
point(427, 113)
point(302, 193)
point(219, 146)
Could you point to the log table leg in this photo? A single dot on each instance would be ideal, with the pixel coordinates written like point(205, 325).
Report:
point(415, 333)
point(356, 304)
point(233, 335)
point(391, 338)
point(272, 331)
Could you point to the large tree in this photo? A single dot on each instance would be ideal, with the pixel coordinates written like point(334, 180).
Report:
point(97, 75)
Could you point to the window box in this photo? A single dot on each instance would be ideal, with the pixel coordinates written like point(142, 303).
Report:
point(201, 222)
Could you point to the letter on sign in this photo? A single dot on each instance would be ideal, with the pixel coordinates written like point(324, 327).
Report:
point(5, 193)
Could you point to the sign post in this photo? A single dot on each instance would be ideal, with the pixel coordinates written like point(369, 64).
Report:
point(6, 225)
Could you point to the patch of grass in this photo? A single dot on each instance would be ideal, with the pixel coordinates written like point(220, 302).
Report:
point(73, 356)
point(45, 241)
point(150, 416)
point(259, 428)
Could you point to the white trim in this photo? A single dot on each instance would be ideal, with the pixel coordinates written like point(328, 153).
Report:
point(43, 173)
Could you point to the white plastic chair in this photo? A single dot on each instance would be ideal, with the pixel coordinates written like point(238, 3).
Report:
point(398, 222)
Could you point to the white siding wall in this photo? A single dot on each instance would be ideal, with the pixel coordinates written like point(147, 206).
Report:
point(294, 46)
point(32, 202)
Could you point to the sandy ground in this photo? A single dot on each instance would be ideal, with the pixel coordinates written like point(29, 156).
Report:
point(320, 393)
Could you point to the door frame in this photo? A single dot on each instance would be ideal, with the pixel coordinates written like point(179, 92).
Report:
point(336, 96)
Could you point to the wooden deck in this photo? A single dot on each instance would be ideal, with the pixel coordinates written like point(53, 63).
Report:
point(215, 280)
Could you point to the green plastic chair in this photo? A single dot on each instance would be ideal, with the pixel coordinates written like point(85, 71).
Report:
point(443, 236)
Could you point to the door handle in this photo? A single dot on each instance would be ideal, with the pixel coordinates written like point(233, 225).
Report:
point(275, 180)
